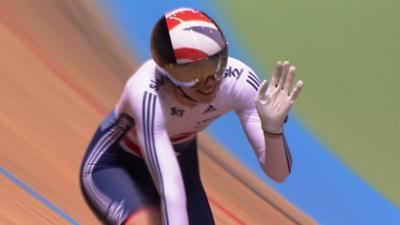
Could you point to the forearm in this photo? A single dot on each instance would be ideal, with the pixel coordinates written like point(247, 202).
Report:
point(273, 103)
point(272, 151)
point(164, 169)
point(169, 181)
point(277, 159)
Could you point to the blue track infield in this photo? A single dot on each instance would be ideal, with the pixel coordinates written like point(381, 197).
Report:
point(320, 184)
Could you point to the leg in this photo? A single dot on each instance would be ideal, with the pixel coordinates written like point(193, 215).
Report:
point(116, 185)
point(197, 203)
point(145, 216)
point(115, 197)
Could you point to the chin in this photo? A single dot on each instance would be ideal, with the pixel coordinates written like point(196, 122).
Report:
point(202, 97)
point(206, 98)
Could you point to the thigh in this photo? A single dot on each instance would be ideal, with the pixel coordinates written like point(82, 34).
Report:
point(114, 183)
point(198, 206)
point(197, 203)
point(114, 194)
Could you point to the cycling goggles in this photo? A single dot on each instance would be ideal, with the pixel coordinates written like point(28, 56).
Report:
point(192, 73)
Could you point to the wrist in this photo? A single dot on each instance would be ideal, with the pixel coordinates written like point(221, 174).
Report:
point(272, 134)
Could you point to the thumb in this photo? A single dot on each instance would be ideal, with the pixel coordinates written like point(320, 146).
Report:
point(262, 89)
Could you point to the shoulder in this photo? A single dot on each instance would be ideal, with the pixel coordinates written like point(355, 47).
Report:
point(144, 84)
point(145, 79)
point(241, 84)
point(240, 75)
point(142, 89)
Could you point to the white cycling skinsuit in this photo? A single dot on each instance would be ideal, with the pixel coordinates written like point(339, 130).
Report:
point(158, 122)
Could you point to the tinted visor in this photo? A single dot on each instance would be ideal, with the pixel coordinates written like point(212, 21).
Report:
point(191, 73)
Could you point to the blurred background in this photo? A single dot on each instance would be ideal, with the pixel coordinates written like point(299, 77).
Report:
point(63, 65)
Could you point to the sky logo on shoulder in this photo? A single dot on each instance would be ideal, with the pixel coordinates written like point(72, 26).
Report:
point(209, 109)
point(156, 83)
point(233, 72)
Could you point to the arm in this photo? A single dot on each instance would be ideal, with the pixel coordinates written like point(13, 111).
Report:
point(160, 158)
point(279, 163)
point(272, 151)
point(273, 104)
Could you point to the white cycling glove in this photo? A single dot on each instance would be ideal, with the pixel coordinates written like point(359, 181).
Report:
point(273, 101)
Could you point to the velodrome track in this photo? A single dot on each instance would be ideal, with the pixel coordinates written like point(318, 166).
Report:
point(60, 73)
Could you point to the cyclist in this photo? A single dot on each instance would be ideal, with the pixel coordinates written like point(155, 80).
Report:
point(141, 166)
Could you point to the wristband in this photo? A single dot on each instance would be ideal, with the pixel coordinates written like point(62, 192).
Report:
point(269, 134)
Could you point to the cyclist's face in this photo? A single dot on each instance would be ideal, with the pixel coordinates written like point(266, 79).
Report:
point(205, 91)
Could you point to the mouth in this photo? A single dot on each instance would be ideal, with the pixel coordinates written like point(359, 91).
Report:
point(208, 91)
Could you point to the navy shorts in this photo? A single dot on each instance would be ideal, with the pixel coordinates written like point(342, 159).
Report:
point(116, 184)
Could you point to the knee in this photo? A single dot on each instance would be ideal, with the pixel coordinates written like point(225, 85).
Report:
point(145, 216)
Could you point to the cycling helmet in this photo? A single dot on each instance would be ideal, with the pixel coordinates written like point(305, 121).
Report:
point(188, 46)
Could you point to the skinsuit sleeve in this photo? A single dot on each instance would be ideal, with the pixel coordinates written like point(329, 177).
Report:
point(145, 107)
point(245, 108)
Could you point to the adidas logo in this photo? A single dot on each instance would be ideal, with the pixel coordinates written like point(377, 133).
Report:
point(210, 108)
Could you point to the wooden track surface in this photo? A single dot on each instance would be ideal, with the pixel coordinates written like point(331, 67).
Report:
point(60, 73)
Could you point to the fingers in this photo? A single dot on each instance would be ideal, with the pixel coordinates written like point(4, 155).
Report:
point(285, 69)
point(263, 88)
point(277, 74)
point(296, 90)
point(282, 79)
point(289, 79)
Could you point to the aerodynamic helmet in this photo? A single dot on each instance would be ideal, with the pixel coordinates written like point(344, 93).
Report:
point(188, 46)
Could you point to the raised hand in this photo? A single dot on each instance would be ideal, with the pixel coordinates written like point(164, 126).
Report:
point(274, 100)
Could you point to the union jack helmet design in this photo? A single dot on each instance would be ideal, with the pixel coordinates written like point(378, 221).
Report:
point(186, 37)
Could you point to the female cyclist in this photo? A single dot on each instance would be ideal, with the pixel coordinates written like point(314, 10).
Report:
point(141, 166)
